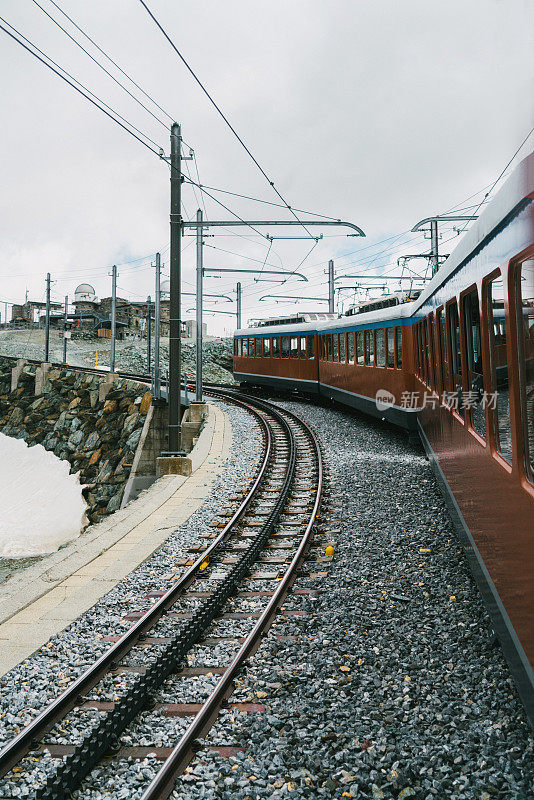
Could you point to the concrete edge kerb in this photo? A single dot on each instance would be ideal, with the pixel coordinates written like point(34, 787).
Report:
point(29, 585)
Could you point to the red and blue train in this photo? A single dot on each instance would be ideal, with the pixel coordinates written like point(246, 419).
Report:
point(456, 365)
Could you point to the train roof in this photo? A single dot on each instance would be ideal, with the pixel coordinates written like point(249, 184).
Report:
point(517, 191)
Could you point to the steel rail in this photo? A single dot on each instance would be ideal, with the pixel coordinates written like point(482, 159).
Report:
point(18, 747)
point(162, 785)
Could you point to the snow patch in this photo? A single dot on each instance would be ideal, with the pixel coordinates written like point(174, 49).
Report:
point(41, 504)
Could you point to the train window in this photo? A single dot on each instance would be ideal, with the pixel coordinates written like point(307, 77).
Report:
point(257, 348)
point(329, 347)
point(444, 360)
point(456, 363)
point(235, 347)
point(245, 347)
point(359, 347)
point(431, 348)
point(366, 346)
point(526, 344)
point(372, 347)
point(294, 347)
point(398, 344)
point(390, 346)
point(380, 348)
point(311, 353)
point(473, 348)
point(303, 347)
point(335, 347)
point(424, 351)
point(240, 347)
point(342, 347)
point(500, 407)
point(350, 347)
point(266, 347)
point(285, 346)
point(276, 347)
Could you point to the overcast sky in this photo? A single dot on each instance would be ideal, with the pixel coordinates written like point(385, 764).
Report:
point(375, 111)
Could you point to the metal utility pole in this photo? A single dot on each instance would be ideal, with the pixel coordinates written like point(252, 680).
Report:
point(47, 318)
point(198, 396)
point(148, 334)
point(434, 238)
point(113, 317)
point(330, 287)
point(157, 327)
point(238, 309)
point(65, 322)
point(175, 322)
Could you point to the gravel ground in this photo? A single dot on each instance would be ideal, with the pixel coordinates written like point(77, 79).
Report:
point(391, 686)
point(394, 687)
point(25, 690)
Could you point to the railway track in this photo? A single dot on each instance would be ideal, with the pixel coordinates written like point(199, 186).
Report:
point(265, 539)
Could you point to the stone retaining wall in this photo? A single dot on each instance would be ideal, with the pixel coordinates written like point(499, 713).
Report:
point(85, 419)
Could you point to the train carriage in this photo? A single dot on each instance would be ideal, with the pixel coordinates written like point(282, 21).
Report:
point(456, 364)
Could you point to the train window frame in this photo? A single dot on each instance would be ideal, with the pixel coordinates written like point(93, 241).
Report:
point(458, 412)
point(359, 350)
point(310, 346)
point(441, 329)
point(294, 347)
point(284, 346)
point(257, 348)
point(335, 347)
point(527, 461)
point(389, 334)
point(329, 347)
point(343, 348)
point(380, 357)
point(351, 348)
point(467, 354)
point(276, 346)
point(240, 348)
point(503, 457)
point(431, 329)
point(302, 347)
point(398, 346)
point(267, 347)
point(367, 347)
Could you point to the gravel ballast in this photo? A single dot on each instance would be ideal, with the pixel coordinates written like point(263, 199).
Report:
point(391, 685)
point(395, 686)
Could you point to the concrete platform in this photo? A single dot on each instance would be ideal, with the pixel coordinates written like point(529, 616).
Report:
point(43, 599)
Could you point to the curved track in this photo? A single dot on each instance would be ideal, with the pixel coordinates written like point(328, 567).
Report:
point(289, 481)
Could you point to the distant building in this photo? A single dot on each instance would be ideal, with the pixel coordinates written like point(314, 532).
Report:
point(30, 311)
point(92, 314)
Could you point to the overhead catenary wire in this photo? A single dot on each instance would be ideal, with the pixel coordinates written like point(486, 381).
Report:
point(114, 115)
point(222, 115)
point(112, 61)
point(102, 67)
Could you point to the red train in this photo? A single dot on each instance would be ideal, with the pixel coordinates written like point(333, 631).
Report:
point(457, 365)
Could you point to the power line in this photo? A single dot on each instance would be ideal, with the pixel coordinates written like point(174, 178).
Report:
point(111, 60)
point(97, 62)
point(221, 113)
point(259, 200)
point(73, 86)
point(495, 182)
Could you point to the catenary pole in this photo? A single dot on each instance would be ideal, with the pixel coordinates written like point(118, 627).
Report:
point(331, 293)
point(157, 329)
point(175, 322)
point(65, 323)
point(47, 318)
point(238, 305)
point(199, 300)
point(148, 334)
point(113, 317)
